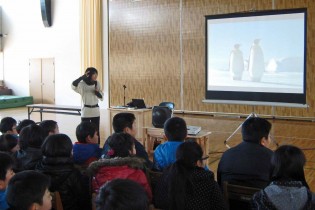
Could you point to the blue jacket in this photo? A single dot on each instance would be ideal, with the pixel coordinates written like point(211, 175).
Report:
point(3, 202)
point(86, 153)
point(165, 154)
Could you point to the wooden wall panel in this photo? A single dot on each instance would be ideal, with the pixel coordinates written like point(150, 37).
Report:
point(144, 51)
point(158, 45)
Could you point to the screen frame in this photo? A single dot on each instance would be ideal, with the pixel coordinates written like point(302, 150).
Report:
point(256, 98)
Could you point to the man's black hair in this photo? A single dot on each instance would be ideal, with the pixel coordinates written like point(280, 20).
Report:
point(85, 129)
point(25, 188)
point(123, 120)
point(6, 163)
point(175, 129)
point(255, 128)
point(122, 194)
point(48, 126)
point(6, 124)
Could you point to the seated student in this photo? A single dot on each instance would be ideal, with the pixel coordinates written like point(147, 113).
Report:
point(9, 143)
point(248, 163)
point(28, 190)
point(65, 178)
point(31, 140)
point(125, 122)
point(23, 124)
point(86, 150)
point(6, 173)
point(122, 194)
point(288, 189)
point(50, 127)
point(175, 130)
point(185, 184)
point(8, 125)
point(121, 164)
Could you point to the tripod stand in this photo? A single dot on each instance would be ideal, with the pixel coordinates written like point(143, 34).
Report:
point(253, 114)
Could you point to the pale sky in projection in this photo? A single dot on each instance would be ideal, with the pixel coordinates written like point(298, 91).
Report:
point(279, 38)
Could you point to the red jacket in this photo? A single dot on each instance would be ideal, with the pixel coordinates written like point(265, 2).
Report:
point(105, 170)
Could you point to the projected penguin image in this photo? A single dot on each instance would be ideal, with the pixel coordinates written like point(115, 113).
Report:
point(236, 63)
point(256, 65)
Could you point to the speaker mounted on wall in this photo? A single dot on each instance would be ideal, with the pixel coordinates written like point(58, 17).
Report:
point(160, 114)
point(45, 6)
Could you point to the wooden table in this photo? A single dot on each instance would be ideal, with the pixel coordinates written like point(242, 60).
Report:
point(152, 134)
point(52, 108)
point(143, 119)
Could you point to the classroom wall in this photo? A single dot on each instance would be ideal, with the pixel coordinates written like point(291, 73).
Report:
point(28, 38)
point(157, 49)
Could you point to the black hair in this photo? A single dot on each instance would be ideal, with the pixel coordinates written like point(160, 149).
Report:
point(6, 124)
point(6, 163)
point(121, 144)
point(8, 142)
point(91, 71)
point(123, 120)
point(175, 129)
point(26, 188)
point(23, 124)
point(85, 129)
point(187, 155)
point(48, 126)
point(255, 128)
point(31, 136)
point(122, 194)
point(287, 164)
point(57, 145)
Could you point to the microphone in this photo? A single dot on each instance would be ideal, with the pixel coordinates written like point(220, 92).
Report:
point(124, 86)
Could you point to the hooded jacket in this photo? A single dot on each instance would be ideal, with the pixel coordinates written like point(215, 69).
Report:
point(105, 170)
point(67, 180)
point(27, 159)
point(289, 195)
point(84, 154)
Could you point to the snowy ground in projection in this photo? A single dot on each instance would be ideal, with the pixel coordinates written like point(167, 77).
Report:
point(280, 82)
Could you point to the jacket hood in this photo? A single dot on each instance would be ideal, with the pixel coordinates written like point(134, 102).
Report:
point(287, 197)
point(132, 162)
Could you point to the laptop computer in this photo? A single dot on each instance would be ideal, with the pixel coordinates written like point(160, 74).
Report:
point(138, 103)
point(193, 130)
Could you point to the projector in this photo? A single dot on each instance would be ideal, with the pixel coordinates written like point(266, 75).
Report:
point(193, 130)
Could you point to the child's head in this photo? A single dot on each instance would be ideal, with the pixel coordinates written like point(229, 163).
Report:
point(123, 194)
point(6, 172)
point(8, 125)
point(91, 74)
point(256, 129)
point(31, 136)
point(23, 124)
point(9, 143)
point(58, 145)
point(29, 190)
point(86, 132)
point(175, 129)
point(287, 163)
point(122, 145)
point(189, 153)
point(49, 127)
point(125, 122)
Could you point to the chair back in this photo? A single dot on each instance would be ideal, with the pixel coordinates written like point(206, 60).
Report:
point(56, 201)
point(238, 196)
point(170, 105)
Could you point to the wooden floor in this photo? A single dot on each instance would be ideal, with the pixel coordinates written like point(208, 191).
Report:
point(298, 133)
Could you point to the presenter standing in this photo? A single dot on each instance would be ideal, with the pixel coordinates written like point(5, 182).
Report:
point(90, 90)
